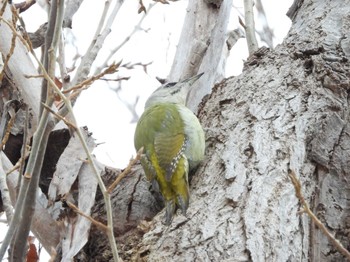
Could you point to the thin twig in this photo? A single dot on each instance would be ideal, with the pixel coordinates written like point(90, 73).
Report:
point(337, 244)
point(2, 10)
point(96, 44)
point(250, 27)
point(25, 150)
point(100, 25)
point(100, 225)
point(14, 31)
point(8, 110)
point(29, 186)
point(126, 39)
point(8, 131)
point(106, 196)
point(20, 164)
point(68, 123)
point(126, 171)
point(34, 76)
point(109, 70)
point(23, 6)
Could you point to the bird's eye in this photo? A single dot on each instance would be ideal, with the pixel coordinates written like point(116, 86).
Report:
point(170, 84)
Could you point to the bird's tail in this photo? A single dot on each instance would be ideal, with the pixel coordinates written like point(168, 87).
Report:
point(170, 208)
point(181, 201)
point(180, 193)
point(180, 185)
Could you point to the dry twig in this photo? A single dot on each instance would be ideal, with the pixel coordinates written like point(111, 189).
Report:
point(109, 70)
point(68, 123)
point(126, 171)
point(318, 223)
point(103, 227)
point(250, 26)
point(8, 131)
point(23, 6)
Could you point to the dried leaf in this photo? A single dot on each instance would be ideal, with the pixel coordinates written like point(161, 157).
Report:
point(68, 167)
point(32, 255)
point(77, 233)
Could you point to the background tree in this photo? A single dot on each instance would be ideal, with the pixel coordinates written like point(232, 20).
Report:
point(286, 113)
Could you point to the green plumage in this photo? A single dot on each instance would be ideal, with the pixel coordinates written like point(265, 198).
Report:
point(173, 142)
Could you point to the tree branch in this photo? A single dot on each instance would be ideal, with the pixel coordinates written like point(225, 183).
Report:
point(126, 171)
point(337, 244)
point(250, 26)
point(103, 227)
point(29, 187)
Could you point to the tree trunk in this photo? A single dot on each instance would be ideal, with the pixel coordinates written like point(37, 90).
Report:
point(202, 47)
point(288, 110)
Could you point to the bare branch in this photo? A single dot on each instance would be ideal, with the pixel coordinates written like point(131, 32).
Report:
point(67, 122)
point(201, 49)
point(23, 6)
point(250, 26)
point(20, 163)
point(72, 6)
point(126, 171)
point(292, 11)
point(267, 33)
point(8, 131)
point(2, 10)
point(96, 44)
point(25, 150)
point(233, 37)
point(100, 225)
point(337, 244)
point(110, 70)
point(117, 48)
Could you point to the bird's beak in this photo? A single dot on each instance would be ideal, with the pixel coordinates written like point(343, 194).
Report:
point(192, 79)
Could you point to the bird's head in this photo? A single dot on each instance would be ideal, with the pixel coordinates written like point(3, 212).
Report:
point(173, 92)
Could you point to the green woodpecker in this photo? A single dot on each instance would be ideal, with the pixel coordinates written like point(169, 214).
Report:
point(173, 142)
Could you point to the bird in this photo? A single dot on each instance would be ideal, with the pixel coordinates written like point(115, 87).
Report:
point(173, 144)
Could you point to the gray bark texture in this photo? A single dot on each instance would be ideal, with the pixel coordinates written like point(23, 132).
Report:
point(202, 47)
point(288, 111)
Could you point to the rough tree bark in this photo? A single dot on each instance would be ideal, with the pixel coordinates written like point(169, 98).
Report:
point(202, 47)
point(288, 110)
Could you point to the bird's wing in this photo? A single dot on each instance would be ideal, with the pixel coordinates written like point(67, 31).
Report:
point(169, 148)
point(161, 132)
